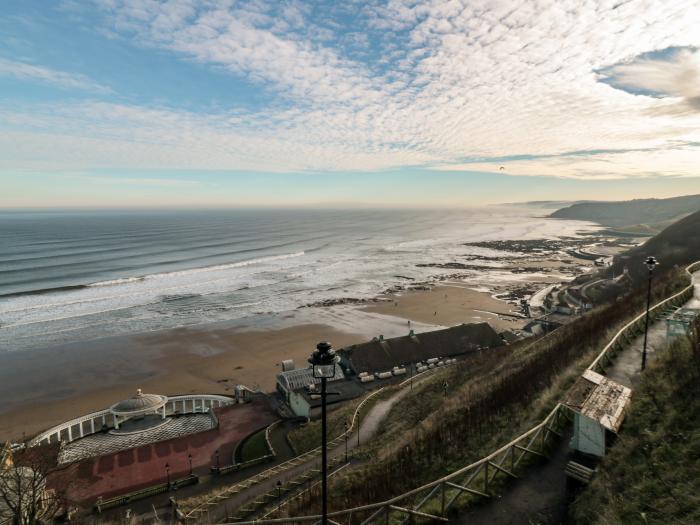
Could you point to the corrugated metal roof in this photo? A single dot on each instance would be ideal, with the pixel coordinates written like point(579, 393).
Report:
point(301, 377)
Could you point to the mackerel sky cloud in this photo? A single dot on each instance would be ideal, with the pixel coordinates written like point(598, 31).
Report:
point(583, 90)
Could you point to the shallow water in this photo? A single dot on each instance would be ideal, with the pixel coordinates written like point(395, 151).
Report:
point(71, 276)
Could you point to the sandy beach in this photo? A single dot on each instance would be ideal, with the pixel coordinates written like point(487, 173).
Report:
point(449, 304)
point(44, 387)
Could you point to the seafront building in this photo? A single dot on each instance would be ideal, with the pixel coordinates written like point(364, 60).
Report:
point(146, 440)
point(367, 365)
point(150, 440)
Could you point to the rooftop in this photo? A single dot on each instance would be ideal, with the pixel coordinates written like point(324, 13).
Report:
point(303, 377)
point(600, 399)
point(107, 443)
point(381, 355)
point(139, 404)
point(344, 389)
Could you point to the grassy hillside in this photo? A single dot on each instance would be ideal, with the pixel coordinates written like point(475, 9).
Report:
point(488, 403)
point(652, 474)
point(679, 244)
point(643, 215)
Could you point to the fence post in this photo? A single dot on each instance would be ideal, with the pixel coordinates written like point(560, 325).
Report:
point(512, 459)
point(544, 437)
point(485, 468)
point(444, 494)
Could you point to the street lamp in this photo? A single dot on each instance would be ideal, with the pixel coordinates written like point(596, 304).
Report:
point(345, 425)
point(323, 361)
point(167, 473)
point(650, 263)
point(189, 458)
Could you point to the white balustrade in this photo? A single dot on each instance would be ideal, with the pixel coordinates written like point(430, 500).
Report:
point(197, 402)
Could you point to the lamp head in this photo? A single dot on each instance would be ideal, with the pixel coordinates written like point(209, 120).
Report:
point(651, 263)
point(323, 360)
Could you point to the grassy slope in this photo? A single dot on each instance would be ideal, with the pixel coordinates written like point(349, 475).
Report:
point(485, 411)
point(254, 447)
point(652, 474)
point(636, 212)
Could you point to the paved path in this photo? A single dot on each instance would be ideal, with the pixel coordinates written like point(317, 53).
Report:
point(540, 496)
point(367, 428)
point(628, 363)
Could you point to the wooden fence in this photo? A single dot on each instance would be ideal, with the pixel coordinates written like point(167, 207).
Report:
point(434, 499)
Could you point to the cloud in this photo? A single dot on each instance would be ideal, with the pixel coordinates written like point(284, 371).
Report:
point(673, 161)
point(437, 83)
point(132, 181)
point(675, 74)
point(44, 75)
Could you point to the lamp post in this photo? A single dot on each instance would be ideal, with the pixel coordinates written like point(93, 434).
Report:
point(650, 263)
point(323, 361)
point(189, 458)
point(167, 473)
point(345, 425)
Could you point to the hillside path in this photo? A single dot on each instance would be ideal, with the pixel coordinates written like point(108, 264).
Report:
point(540, 495)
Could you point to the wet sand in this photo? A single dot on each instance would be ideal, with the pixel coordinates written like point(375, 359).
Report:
point(449, 305)
point(41, 388)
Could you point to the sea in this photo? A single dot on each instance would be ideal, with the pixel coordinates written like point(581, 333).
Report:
point(68, 276)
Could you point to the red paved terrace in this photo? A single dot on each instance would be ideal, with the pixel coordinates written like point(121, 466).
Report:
point(114, 474)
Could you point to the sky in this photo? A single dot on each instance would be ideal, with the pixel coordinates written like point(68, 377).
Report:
point(113, 103)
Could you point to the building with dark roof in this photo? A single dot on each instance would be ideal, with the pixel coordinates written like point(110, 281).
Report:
point(380, 355)
point(304, 403)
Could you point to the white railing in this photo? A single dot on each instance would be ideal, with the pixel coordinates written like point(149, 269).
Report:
point(73, 429)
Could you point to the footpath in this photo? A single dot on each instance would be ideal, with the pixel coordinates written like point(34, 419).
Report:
point(540, 495)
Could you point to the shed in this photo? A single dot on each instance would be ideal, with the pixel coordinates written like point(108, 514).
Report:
point(599, 404)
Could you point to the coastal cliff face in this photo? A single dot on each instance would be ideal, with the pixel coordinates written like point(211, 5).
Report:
point(648, 215)
point(677, 245)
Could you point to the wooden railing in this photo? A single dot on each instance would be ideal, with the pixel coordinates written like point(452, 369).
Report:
point(227, 492)
point(477, 478)
point(636, 325)
point(216, 498)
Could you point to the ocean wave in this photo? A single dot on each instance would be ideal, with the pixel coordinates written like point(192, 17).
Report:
point(192, 271)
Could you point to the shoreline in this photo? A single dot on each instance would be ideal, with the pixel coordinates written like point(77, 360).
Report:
point(43, 387)
point(210, 358)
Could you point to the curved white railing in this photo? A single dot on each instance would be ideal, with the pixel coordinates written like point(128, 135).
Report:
point(94, 422)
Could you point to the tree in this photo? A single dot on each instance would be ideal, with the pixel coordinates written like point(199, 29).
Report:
point(24, 496)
